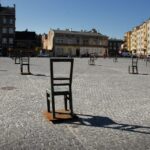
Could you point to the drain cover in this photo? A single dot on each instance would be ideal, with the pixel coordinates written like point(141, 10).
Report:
point(8, 88)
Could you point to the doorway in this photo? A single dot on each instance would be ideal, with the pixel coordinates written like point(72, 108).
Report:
point(77, 52)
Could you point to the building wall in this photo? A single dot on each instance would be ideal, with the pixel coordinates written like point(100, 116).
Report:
point(44, 41)
point(127, 41)
point(7, 29)
point(139, 39)
point(134, 39)
point(68, 43)
point(148, 37)
point(114, 46)
point(50, 40)
point(142, 39)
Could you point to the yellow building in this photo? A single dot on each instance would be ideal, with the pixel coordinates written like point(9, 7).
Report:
point(127, 41)
point(137, 40)
point(134, 39)
point(148, 37)
point(142, 39)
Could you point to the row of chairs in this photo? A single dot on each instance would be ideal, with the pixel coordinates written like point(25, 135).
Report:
point(60, 85)
point(22, 58)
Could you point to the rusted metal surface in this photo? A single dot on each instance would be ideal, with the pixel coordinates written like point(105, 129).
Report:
point(60, 115)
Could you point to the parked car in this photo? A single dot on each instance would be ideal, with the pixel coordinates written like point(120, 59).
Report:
point(126, 54)
point(43, 55)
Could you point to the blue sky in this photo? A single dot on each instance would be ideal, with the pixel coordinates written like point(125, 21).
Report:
point(110, 17)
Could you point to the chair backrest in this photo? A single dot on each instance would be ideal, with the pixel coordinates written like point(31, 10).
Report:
point(134, 61)
point(92, 56)
point(25, 60)
point(61, 80)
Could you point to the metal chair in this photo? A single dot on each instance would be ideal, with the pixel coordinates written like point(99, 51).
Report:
point(134, 66)
point(16, 56)
point(60, 86)
point(25, 61)
point(91, 61)
point(147, 59)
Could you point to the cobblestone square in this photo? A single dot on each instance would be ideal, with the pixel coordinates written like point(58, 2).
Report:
point(113, 107)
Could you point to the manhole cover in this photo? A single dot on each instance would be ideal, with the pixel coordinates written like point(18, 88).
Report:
point(8, 88)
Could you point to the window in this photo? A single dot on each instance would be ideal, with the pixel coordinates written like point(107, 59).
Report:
point(11, 30)
point(85, 42)
point(11, 21)
point(59, 40)
point(78, 41)
point(4, 41)
point(11, 41)
point(4, 30)
point(4, 20)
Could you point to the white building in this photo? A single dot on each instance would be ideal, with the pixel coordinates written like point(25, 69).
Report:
point(76, 43)
point(148, 37)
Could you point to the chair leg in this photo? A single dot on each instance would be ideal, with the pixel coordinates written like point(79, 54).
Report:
point(137, 70)
point(71, 104)
point(48, 102)
point(65, 102)
point(53, 106)
point(28, 69)
point(21, 69)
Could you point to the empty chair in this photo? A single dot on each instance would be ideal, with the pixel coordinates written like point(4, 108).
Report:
point(25, 62)
point(91, 61)
point(134, 65)
point(60, 86)
point(17, 56)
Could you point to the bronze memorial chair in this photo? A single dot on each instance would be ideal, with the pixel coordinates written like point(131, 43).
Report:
point(92, 59)
point(25, 61)
point(60, 86)
point(17, 56)
point(134, 65)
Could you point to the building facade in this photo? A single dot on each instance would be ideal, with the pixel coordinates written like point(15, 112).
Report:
point(134, 39)
point(148, 37)
point(27, 41)
point(127, 41)
point(75, 43)
point(7, 29)
point(137, 40)
point(114, 46)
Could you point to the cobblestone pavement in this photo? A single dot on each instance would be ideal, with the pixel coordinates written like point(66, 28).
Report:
point(113, 107)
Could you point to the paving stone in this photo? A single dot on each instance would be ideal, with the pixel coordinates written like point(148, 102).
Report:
point(113, 107)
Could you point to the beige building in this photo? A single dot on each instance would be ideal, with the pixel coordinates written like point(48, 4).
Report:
point(142, 39)
point(127, 41)
point(75, 43)
point(44, 41)
point(137, 40)
point(148, 37)
point(134, 39)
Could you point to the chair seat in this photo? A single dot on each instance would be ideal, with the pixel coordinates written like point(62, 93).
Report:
point(59, 91)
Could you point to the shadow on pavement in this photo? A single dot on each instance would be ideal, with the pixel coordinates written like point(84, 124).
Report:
point(143, 74)
point(40, 75)
point(4, 70)
point(105, 122)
